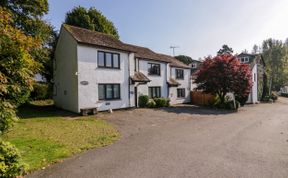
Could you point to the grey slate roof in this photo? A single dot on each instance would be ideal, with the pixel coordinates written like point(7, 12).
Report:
point(139, 77)
point(90, 37)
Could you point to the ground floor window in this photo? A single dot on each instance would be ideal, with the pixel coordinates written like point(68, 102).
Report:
point(180, 92)
point(154, 92)
point(108, 91)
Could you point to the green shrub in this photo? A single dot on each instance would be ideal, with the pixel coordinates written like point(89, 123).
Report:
point(160, 102)
point(167, 102)
point(143, 100)
point(217, 103)
point(242, 100)
point(238, 104)
point(151, 103)
point(10, 164)
point(270, 99)
point(230, 105)
point(274, 96)
point(41, 91)
point(266, 98)
point(284, 94)
point(7, 116)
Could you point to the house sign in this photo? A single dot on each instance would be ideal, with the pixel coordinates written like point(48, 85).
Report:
point(84, 82)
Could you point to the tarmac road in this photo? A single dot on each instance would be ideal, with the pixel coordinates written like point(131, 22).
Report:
point(188, 142)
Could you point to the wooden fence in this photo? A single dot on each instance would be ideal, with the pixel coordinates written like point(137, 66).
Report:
point(201, 98)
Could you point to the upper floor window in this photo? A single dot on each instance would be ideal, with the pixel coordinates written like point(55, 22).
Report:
point(153, 69)
point(108, 60)
point(179, 74)
point(244, 59)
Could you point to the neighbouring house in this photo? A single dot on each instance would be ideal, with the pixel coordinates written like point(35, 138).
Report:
point(195, 64)
point(95, 70)
point(257, 66)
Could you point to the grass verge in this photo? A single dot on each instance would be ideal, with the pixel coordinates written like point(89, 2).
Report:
point(45, 135)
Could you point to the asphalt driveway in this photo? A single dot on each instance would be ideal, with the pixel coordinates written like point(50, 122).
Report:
point(188, 142)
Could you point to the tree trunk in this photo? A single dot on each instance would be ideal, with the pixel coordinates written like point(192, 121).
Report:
point(265, 86)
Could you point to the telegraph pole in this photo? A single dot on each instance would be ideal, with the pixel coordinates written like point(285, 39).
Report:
point(173, 48)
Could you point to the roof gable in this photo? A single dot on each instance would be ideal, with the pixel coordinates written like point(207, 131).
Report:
point(173, 61)
point(86, 36)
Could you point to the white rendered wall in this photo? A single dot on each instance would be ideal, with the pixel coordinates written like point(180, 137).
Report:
point(253, 96)
point(89, 72)
point(156, 81)
point(185, 83)
point(131, 71)
point(65, 66)
point(192, 84)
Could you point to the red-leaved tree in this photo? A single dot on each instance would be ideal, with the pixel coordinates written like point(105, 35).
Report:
point(224, 74)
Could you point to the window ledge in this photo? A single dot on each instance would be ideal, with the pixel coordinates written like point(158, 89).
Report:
point(110, 68)
point(107, 100)
point(154, 75)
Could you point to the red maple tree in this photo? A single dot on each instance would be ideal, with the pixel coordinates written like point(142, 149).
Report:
point(224, 74)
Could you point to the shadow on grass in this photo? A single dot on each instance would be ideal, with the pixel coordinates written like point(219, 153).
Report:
point(192, 109)
point(29, 111)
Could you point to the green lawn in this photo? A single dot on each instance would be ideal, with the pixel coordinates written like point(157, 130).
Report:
point(45, 135)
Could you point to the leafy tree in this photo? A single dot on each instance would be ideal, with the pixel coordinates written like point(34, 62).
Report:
point(286, 42)
point(275, 54)
point(255, 49)
point(17, 67)
point(225, 50)
point(27, 16)
point(185, 59)
point(17, 70)
point(91, 19)
point(224, 74)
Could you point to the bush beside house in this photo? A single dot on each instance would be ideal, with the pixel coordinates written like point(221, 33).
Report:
point(41, 91)
point(144, 101)
point(10, 162)
point(224, 74)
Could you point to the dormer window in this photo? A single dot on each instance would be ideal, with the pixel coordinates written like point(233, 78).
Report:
point(193, 65)
point(244, 59)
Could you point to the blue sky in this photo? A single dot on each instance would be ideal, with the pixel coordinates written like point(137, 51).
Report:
point(198, 27)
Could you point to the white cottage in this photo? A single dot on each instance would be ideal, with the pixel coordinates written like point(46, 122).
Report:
point(257, 66)
point(95, 70)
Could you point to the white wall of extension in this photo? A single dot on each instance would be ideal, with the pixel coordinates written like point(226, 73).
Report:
point(253, 97)
point(156, 81)
point(183, 84)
